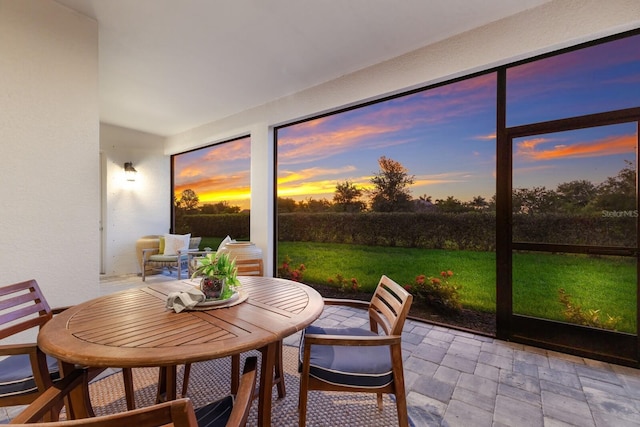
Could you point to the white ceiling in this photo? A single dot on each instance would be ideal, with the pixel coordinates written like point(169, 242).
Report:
point(167, 66)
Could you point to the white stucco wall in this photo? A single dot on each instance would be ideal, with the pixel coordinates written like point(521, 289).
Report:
point(49, 161)
point(132, 209)
point(549, 27)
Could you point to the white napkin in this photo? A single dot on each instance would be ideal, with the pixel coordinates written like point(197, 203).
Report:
point(179, 301)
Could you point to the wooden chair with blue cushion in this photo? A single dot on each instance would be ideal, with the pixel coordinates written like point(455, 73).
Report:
point(27, 372)
point(358, 359)
point(230, 411)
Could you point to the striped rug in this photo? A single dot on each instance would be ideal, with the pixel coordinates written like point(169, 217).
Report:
point(211, 380)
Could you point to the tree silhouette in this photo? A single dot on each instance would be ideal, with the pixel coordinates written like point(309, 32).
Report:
point(390, 192)
point(219, 208)
point(619, 192)
point(575, 196)
point(189, 200)
point(346, 198)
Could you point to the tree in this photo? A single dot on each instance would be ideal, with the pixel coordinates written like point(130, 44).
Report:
point(618, 193)
point(219, 208)
point(286, 205)
point(314, 205)
point(188, 200)
point(346, 198)
point(479, 203)
point(186, 204)
point(451, 205)
point(575, 196)
point(534, 200)
point(390, 192)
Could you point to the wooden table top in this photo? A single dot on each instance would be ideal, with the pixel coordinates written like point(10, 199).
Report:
point(133, 328)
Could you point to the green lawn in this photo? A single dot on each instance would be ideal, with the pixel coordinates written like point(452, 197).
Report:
point(600, 283)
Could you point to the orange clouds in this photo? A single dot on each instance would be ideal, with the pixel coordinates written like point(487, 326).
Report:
point(489, 137)
point(318, 182)
point(528, 149)
point(219, 173)
point(315, 146)
point(234, 189)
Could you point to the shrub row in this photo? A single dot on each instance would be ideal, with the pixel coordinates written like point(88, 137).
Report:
point(461, 231)
point(414, 230)
point(575, 230)
point(432, 230)
point(219, 225)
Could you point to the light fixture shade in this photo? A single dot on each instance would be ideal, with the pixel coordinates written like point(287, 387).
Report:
point(130, 171)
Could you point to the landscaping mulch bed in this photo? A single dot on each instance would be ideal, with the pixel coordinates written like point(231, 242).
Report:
point(468, 320)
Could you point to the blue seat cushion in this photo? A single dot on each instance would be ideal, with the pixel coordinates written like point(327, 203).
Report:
point(355, 366)
point(215, 414)
point(16, 376)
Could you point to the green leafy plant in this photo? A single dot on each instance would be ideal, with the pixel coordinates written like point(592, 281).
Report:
point(439, 292)
point(345, 285)
point(218, 266)
point(589, 317)
point(286, 272)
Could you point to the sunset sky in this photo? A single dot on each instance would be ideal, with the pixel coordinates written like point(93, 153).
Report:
point(446, 136)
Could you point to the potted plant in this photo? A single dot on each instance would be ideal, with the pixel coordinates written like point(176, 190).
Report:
point(218, 276)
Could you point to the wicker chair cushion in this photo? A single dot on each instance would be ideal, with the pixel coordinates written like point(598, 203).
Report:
point(166, 258)
point(348, 365)
point(16, 376)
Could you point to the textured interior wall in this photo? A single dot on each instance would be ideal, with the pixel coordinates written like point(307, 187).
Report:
point(132, 209)
point(49, 167)
point(554, 25)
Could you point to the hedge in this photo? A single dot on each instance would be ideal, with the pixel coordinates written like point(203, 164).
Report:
point(431, 230)
point(219, 225)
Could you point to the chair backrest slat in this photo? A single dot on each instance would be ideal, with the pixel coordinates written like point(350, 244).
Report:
point(390, 306)
point(22, 307)
point(250, 267)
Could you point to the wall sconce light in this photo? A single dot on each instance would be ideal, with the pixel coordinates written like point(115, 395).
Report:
point(130, 171)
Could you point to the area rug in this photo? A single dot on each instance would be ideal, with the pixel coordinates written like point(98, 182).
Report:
point(211, 380)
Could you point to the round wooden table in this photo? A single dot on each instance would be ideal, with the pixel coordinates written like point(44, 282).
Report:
point(133, 328)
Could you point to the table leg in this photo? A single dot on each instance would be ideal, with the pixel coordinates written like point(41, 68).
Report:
point(129, 389)
point(266, 383)
point(167, 383)
point(79, 401)
point(279, 371)
point(235, 373)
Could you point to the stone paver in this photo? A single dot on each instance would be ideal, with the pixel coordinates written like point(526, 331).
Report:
point(462, 414)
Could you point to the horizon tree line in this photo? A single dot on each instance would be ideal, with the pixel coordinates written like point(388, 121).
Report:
point(390, 192)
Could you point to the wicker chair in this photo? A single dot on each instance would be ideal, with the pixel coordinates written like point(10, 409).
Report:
point(333, 359)
point(152, 259)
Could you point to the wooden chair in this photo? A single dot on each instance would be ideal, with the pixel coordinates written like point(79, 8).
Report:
point(250, 267)
point(27, 372)
point(230, 411)
point(333, 359)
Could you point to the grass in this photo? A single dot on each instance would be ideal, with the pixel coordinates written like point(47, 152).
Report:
point(607, 284)
point(600, 283)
